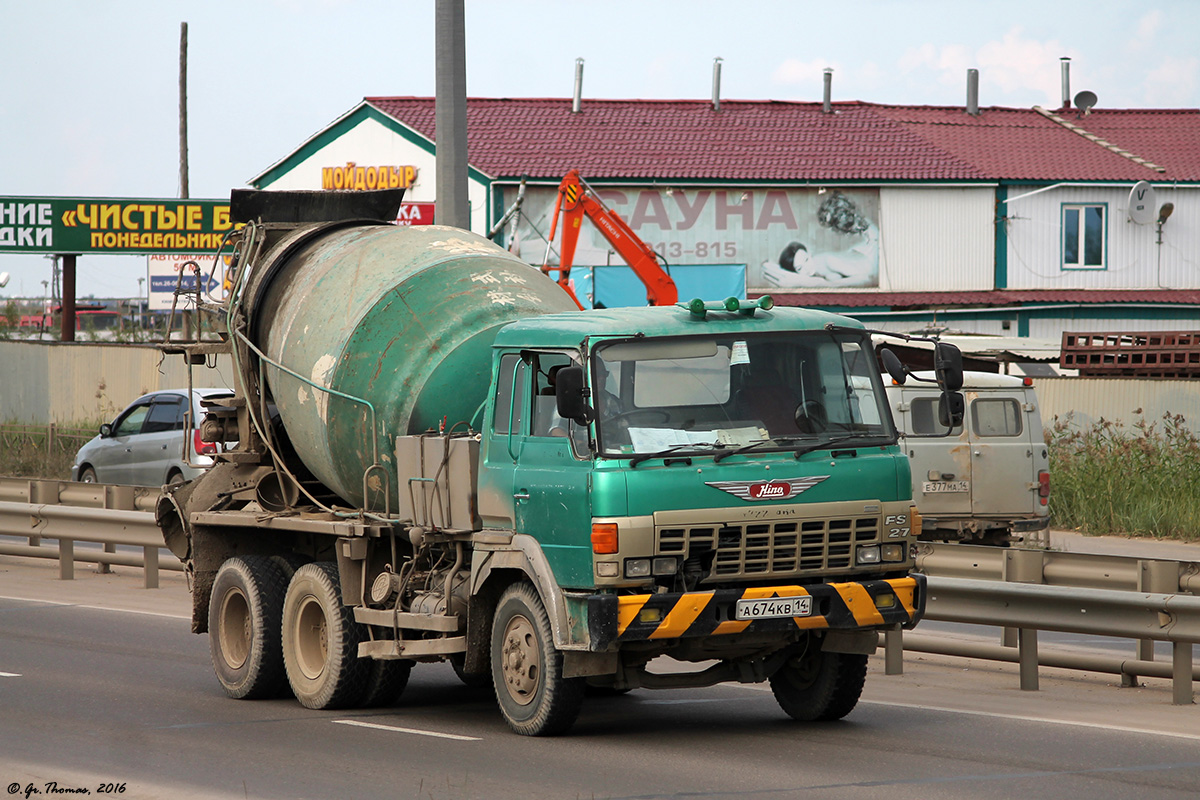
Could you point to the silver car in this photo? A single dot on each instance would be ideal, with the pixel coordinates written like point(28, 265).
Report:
point(144, 445)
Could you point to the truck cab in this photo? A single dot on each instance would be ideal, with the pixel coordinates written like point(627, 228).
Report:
point(987, 480)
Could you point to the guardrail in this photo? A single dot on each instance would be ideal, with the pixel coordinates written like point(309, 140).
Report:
point(1022, 591)
point(68, 512)
point(1026, 591)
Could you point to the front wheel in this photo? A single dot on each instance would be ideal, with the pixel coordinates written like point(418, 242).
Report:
point(320, 641)
point(813, 685)
point(534, 697)
point(87, 475)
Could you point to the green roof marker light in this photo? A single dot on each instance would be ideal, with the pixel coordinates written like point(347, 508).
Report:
point(699, 309)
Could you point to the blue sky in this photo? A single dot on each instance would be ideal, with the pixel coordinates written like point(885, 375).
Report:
point(89, 103)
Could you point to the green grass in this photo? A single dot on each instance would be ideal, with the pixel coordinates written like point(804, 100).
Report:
point(33, 451)
point(1110, 479)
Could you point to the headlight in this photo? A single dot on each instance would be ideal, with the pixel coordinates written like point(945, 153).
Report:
point(608, 569)
point(637, 568)
point(892, 552)
point(868, 554)
point(664, 566)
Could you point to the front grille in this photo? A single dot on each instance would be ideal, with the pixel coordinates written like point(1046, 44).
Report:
point(770, 549)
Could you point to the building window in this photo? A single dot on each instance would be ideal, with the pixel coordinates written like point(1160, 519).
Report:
point(1084, 240)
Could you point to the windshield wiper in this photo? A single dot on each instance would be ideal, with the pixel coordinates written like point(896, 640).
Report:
point(755, 445)
point(822, 445)
point(640, 457)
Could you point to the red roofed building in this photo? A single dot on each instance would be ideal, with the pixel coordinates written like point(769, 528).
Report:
point(1009, 221)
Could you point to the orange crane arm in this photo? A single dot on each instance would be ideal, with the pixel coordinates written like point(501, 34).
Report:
point(575, 200)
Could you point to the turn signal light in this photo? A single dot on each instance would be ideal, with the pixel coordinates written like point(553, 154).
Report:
point(604, 538)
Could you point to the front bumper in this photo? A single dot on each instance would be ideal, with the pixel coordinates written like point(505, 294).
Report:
point(613, 619)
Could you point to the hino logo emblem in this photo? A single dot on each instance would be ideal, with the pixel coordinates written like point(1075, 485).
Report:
point(778, 489)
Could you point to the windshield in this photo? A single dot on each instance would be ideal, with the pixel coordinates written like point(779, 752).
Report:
point(774, 391)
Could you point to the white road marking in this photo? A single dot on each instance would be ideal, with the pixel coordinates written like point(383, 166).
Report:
point(95, 608)
point(10, 674)
point(1017, 717)
point(414, 731)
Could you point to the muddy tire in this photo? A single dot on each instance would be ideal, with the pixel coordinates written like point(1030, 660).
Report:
point(534, 697)
point(815, 686)
point(244, 613)
point(320, 641)
point(386, 681)
point(472, 680)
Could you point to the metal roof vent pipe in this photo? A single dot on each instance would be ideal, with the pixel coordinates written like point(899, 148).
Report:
point(828, 105)
point(973, 92)
point(578, 99)
point(1066, 81)
point(716, 97)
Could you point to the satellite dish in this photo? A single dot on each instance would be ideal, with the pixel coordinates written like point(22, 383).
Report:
point(3, 279)
point(1085, 101)
point(1142, 207)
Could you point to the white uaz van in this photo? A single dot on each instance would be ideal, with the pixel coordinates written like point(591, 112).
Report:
point(988, 481)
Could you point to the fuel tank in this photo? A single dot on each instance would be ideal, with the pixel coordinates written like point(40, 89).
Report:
point(395, 327)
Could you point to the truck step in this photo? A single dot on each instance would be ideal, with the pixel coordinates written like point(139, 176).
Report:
point(386, 649)
point(442, 623)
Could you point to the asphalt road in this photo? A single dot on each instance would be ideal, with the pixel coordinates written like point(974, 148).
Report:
point(103, 687)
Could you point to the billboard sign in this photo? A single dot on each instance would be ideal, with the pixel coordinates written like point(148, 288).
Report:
point(111, 226)
point(163, 273)
point(788, 238)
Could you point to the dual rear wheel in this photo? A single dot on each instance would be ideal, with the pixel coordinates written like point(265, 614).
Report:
point(276, 625)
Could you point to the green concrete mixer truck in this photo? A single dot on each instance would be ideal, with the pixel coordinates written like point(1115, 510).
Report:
point(432, 455)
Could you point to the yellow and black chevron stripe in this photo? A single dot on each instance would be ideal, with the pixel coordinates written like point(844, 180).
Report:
point(572, 195)
point(671, 616)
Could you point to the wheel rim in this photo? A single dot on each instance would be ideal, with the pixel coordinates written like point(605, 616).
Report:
point(235, 631)
point(520, 660)
point(311, 635)
point(88, 476)
point(803, 669)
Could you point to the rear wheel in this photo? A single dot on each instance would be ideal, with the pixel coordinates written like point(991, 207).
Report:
point(174, 478)
point(386, 681)
point(817, 686)
point(534, 697)
point(244, 615)
point(320, 641)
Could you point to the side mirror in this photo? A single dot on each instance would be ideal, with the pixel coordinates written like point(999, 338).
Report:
point(947, 366)
point(106, 430)
point(891, 362)
point(570, 396)
point(951, 407)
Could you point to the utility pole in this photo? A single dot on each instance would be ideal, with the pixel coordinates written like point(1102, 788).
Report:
point(450, 115)
point(183, 142)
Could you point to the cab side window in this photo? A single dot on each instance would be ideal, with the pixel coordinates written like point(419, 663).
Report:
point(511, 394)
point(996, 417)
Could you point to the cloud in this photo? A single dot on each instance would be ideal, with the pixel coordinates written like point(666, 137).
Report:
point(1145, 32)
point(1173, 83)
point(1015, 64)
point(794, 72)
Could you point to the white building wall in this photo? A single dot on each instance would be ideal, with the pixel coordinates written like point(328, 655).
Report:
point(937, 239)
point(1133, 259)
point(371, 144)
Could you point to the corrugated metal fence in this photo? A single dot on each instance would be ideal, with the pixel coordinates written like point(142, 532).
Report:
point(67, 382)
point(1124, 400)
